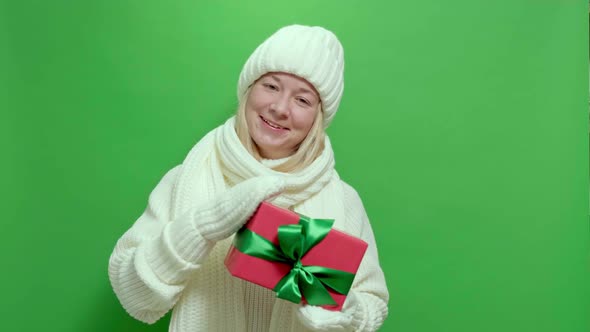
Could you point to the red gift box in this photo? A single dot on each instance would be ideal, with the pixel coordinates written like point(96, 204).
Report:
point(337, 250)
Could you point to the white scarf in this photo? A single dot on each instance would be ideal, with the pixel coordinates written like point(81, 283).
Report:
point(220, 160)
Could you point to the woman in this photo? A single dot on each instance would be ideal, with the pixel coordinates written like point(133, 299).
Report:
point(274, 149)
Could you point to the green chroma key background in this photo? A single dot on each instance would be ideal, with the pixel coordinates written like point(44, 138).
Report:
point(464, 127)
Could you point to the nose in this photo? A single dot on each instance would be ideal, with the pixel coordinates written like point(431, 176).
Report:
point(280, 106)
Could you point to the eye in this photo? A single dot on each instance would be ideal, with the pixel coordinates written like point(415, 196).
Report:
point(304, 101)
point(270, 86)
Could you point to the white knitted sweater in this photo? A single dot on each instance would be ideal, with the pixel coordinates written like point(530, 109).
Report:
point(172, 258)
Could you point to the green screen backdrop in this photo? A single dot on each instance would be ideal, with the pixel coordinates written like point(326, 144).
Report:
point(463, 126)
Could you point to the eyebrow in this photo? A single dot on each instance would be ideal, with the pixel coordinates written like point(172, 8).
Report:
point(300, 89)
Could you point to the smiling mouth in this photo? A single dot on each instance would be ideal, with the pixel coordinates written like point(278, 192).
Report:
point(273, 125)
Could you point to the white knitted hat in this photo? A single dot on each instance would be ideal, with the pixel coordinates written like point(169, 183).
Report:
point(312, 53)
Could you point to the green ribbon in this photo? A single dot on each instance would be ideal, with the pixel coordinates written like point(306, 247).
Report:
point(294, 242)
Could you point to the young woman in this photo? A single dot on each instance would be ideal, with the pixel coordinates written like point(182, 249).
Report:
point(274, 149)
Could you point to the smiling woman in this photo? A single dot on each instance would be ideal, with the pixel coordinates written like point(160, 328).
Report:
point(274, 149)
point(280, 111)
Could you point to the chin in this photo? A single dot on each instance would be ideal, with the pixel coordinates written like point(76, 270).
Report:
point(273, 152)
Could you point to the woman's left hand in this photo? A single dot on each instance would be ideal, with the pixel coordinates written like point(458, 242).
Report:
point(319, 319)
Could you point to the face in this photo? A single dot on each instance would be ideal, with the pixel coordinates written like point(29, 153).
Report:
point(280, 111)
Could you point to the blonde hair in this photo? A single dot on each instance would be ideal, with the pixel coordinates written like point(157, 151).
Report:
point(307, 151)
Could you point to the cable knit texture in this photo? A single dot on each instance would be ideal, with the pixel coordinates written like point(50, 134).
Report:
point(172, 256)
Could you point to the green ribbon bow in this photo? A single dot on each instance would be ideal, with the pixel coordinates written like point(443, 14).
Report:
point(294, 242)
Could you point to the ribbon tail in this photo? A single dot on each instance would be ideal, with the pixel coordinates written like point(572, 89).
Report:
point(340, 281)
point(313, 290)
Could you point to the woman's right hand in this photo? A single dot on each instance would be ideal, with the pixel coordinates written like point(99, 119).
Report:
point(232, 208)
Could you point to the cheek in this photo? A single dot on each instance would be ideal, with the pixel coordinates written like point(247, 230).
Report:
point(252, 111)
point(304, 120)
point(251, 108)
point(257, 100)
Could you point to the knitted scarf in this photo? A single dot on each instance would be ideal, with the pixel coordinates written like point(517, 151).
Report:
point(220, 160)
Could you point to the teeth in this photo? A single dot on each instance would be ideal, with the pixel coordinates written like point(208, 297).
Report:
point(271, 124)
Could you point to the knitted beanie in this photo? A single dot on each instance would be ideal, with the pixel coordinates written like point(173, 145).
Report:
point(312, 53)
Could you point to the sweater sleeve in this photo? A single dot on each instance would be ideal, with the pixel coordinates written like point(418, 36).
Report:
point(369, 308)
point(152, 261)
point(155, 258)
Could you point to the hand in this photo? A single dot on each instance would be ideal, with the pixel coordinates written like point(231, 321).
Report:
point(320, 319)
point(232, 208)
